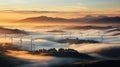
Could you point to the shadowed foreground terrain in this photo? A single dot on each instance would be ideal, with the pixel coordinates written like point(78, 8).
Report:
point(5, 61)
point(8, 61)
point(11, 61)
point(103, 63)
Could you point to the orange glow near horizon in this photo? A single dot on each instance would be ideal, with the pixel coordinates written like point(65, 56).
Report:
point(12, 16)
point(30, 57)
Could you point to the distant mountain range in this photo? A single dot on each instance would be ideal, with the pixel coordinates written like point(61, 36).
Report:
point(90, 19)
point(44, 19)
point(107, 19)
point(12, 31)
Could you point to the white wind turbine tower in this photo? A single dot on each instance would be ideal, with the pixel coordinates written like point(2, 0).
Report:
point(99, 33)
point(34, 47)
point(88, 34)
point(62, 35)
point(5, 36)
point(70, 35)
point(31, 43)
point(81, 34)
point(21, 41)
point(101, 36)
point(11, 39)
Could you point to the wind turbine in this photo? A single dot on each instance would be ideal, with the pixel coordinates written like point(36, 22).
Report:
point(10, 37)
point(62, 35)
point(101, 36)
point(34, 47)
point(88, 34)
point(5, 35)
point(81, 33)
point(21, 41)
point(99, 33)
point(31, 43)
point(70, 35)
point(11, 40)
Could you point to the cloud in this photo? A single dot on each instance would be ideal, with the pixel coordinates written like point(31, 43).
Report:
point(90, 27)
point(95, 13)
point(33, 12)
point(105, 50)
point(56, 31)
point(116, 34)
point(114, 30)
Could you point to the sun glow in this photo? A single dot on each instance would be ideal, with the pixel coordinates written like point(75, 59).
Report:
point(27, 56)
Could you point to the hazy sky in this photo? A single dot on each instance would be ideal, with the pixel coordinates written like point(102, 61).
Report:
point(59, 5)
point(63, 8)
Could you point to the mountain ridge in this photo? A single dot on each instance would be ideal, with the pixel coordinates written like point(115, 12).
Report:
point(87, 19)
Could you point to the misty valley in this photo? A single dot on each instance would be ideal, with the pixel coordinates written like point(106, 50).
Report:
point(59, 33)
point(59, 46)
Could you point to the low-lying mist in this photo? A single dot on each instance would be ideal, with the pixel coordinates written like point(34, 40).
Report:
point(105, 50)
point(38, 60)
point(18, 47)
